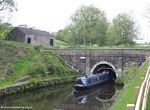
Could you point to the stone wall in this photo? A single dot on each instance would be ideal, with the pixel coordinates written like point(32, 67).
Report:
point(118, 57)
point(38, 40)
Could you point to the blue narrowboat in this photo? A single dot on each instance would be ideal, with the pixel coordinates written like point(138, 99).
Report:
point(86, 82)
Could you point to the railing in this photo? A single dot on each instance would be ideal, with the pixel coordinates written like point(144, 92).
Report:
point(71, 66)
point(143, 92)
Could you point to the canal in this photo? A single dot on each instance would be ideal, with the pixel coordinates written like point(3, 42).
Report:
point(62, 97)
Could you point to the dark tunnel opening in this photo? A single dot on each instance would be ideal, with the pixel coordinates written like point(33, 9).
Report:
point(105, 67)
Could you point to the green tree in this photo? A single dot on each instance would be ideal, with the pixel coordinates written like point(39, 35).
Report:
point(122, 31)
point(4, 30)
point(60, 35)
point(70, 33)
point(88, 26)
point(8, 5)
point(110, 36)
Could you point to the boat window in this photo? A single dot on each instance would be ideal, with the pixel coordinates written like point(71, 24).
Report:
point(95, 80)
point(89, 81)
point(103, 77)
point(100, 78)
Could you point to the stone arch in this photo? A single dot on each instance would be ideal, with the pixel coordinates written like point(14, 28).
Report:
point(103, 65)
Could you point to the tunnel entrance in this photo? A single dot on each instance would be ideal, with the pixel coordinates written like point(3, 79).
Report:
point(104, 66)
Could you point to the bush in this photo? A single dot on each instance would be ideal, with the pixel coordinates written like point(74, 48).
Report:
point(120, 80)
point(130, 72)
point(37, 68)
point(38, 48)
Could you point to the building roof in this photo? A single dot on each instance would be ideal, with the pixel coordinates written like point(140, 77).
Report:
point(32, 31)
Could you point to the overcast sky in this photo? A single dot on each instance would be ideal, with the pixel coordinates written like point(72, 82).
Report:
point(52, 15)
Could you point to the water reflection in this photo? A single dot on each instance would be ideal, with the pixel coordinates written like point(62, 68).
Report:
point(40, 99)
point(104, 92)
point(98, 98)
point(62, 97)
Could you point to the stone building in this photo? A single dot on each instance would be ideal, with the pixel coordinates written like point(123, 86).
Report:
point(30, 36)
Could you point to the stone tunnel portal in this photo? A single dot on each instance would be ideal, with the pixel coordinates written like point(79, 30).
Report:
point(103, 65)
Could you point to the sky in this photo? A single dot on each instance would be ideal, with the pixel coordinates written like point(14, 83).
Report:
point(53, 15)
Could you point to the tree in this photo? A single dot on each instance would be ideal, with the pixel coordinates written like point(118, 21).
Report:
point(60, 35)
point(7, 4)
point(4, 30)
point(66, 34)
point(89, 26)
point(122, 30)
point(110, 36)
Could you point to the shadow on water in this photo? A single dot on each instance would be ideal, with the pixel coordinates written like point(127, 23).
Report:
point(63, 98)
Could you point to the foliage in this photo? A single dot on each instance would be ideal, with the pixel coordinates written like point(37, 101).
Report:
point(124, 97)
point(120, 80)
point(8, 55)
point(122, 30)
point(18, 60)
point(50, 63)
point(129, 74)
point(6, 4)
point(4, 30)
point(38, 48)
point(88, 26)
point(60, 43)
point(59, 35)
point(54, 64)
point(148, 101)
point(36, 68)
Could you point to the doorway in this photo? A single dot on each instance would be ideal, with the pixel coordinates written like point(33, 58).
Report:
point(51, 42)
point(29, 40)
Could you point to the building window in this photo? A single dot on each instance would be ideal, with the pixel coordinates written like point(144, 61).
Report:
point(51, 42)
point(29, 40)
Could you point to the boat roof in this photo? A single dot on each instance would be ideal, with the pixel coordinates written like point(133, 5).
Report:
point(91, 76)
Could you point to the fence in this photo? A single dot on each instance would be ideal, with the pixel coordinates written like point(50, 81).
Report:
point(143, 92)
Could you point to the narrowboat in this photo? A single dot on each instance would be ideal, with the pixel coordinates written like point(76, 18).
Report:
point(86, 82)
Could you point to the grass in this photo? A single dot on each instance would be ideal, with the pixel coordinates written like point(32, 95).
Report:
point(18, 60)
point(128, 95)
point(117, 47)
point(148, 102)
point(61, 43)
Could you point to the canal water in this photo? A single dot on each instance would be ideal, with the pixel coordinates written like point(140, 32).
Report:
point(62, 97)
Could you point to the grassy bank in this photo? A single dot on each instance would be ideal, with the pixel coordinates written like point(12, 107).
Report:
point(21, 62)
point(148, 102)
point(128, 94)
point(35, 84)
